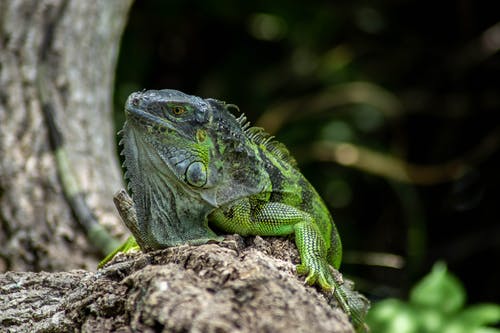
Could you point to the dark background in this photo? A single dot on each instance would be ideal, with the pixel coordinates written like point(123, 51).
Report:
point(432, 73)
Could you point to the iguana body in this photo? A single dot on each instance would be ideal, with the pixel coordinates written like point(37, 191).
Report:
point(192, 164)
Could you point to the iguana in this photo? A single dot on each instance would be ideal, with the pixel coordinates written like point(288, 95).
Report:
point(191, 164)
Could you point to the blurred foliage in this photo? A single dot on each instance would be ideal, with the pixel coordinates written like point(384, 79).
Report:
point(436, 305)
point(390, 107)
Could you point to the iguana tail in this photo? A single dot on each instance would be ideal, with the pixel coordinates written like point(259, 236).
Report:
point(98, 236)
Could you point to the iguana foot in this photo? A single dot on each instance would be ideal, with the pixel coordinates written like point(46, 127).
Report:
point(129, 245)
point(354, 304)
point(318, 273)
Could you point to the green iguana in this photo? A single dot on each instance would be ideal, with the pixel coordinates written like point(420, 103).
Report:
point(191, 163)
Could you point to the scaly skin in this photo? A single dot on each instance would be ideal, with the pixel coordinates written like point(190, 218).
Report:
point(191, 163)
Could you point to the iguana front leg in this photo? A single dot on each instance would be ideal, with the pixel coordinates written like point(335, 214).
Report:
point(313, 253)
point(125, 206)
point(254, 217)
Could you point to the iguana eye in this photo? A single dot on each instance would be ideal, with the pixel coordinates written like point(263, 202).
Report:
point(178, 110)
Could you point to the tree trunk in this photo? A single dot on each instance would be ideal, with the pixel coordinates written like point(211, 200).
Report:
point(229, 287)
point(77, 43)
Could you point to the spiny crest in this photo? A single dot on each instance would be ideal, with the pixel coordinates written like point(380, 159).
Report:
point(127, 177)
point(126, 174)
point(260, 137)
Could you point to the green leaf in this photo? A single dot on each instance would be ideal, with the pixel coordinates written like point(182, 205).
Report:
point(473, 319)
point(439, 290)
point(485, 330)
point(431, 320)
point(392, 316)
point(481, 314)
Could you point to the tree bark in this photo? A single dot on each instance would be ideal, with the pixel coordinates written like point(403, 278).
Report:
point(229, 287)
point(77, 43)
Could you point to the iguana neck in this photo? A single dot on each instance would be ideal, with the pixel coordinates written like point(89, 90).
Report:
point(170, 214)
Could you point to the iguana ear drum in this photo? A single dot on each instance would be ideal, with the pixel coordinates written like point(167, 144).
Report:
point(196, 174)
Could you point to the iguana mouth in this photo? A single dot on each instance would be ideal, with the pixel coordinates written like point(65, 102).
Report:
point(146, 120)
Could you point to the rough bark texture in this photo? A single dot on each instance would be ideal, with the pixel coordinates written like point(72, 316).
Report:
point(77, 42)
point(229, 287)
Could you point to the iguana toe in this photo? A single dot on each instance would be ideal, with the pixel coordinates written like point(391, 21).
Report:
point(317, 273)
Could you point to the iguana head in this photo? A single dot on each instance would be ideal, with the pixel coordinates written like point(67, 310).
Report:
point(174, 125)
point(195, 142)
